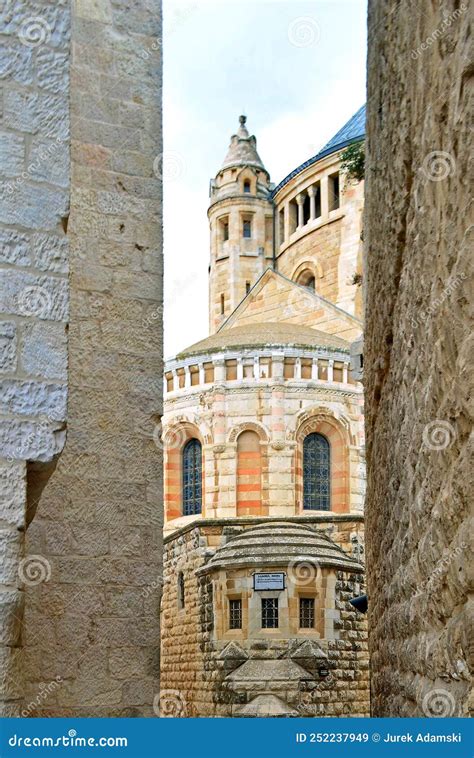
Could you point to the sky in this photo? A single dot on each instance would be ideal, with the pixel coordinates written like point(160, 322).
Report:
point(295, 69)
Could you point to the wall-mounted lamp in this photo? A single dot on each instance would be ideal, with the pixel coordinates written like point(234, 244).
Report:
point(360, 603)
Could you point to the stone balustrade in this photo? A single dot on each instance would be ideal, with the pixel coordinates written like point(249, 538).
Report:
point(288, 364)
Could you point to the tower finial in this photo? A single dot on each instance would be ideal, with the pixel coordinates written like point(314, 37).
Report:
point(242, 120)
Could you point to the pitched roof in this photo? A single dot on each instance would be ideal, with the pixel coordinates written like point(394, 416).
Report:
point(352, 131)
point(323, 314)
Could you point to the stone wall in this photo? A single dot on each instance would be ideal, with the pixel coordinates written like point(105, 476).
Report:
point(417, 372)
point(330, 246)
point(93, 541)
point(197, 659)
point(34, 288)
point(281, 412)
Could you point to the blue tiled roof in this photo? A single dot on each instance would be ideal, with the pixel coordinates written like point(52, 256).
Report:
point(352, 131)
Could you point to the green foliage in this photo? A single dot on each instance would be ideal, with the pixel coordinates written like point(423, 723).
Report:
point(353, 161)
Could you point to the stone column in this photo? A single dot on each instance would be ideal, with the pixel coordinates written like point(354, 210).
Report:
point(314, 369)
point(300, 203)
point(202, 375)
point(298, 368)
point(219, 370)
point(256, 368)
point(175, 380)
point(330, 371)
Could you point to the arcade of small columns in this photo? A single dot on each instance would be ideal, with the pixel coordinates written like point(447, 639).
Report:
point(315, 198)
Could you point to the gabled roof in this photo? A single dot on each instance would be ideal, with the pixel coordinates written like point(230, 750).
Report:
point(304, 308)
point(352, 131)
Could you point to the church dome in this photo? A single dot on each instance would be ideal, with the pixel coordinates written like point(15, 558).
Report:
point(277, 334)
point(280, 543)
point(242, 149)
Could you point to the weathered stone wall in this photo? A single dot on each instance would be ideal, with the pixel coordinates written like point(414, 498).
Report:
point(34, 290)
point(196, 659)
point(93, 542)
point(417, 372)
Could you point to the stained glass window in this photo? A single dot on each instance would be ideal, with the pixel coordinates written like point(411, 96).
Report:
point(316, 473)
point(192, 478)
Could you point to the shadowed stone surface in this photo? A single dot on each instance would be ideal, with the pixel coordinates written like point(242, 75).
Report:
point(418, 358)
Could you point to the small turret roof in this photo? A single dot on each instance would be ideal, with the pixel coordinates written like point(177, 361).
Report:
point(280, 544)
point(242, 149)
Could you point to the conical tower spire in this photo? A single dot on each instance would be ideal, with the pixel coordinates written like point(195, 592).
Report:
point(243, 148)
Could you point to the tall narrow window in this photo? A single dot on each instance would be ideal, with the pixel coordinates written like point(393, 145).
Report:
point(235, 614)
point(246, 186)
point(281, 226)
point(333, 190)
point(316, 473)
point(247, 228)
point(247, 288)
point(306, 209)
point(306, 613)
point(222, 305)
point(181, 596)
point(192, 478)
point(269, 613)
point(224, 228)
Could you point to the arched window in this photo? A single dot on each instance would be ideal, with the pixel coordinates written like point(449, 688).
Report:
point(246, 186)
point(306, 279)
point(316, 473)
point(192, 478)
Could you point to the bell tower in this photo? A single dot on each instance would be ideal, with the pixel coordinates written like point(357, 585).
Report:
point(241, 226)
